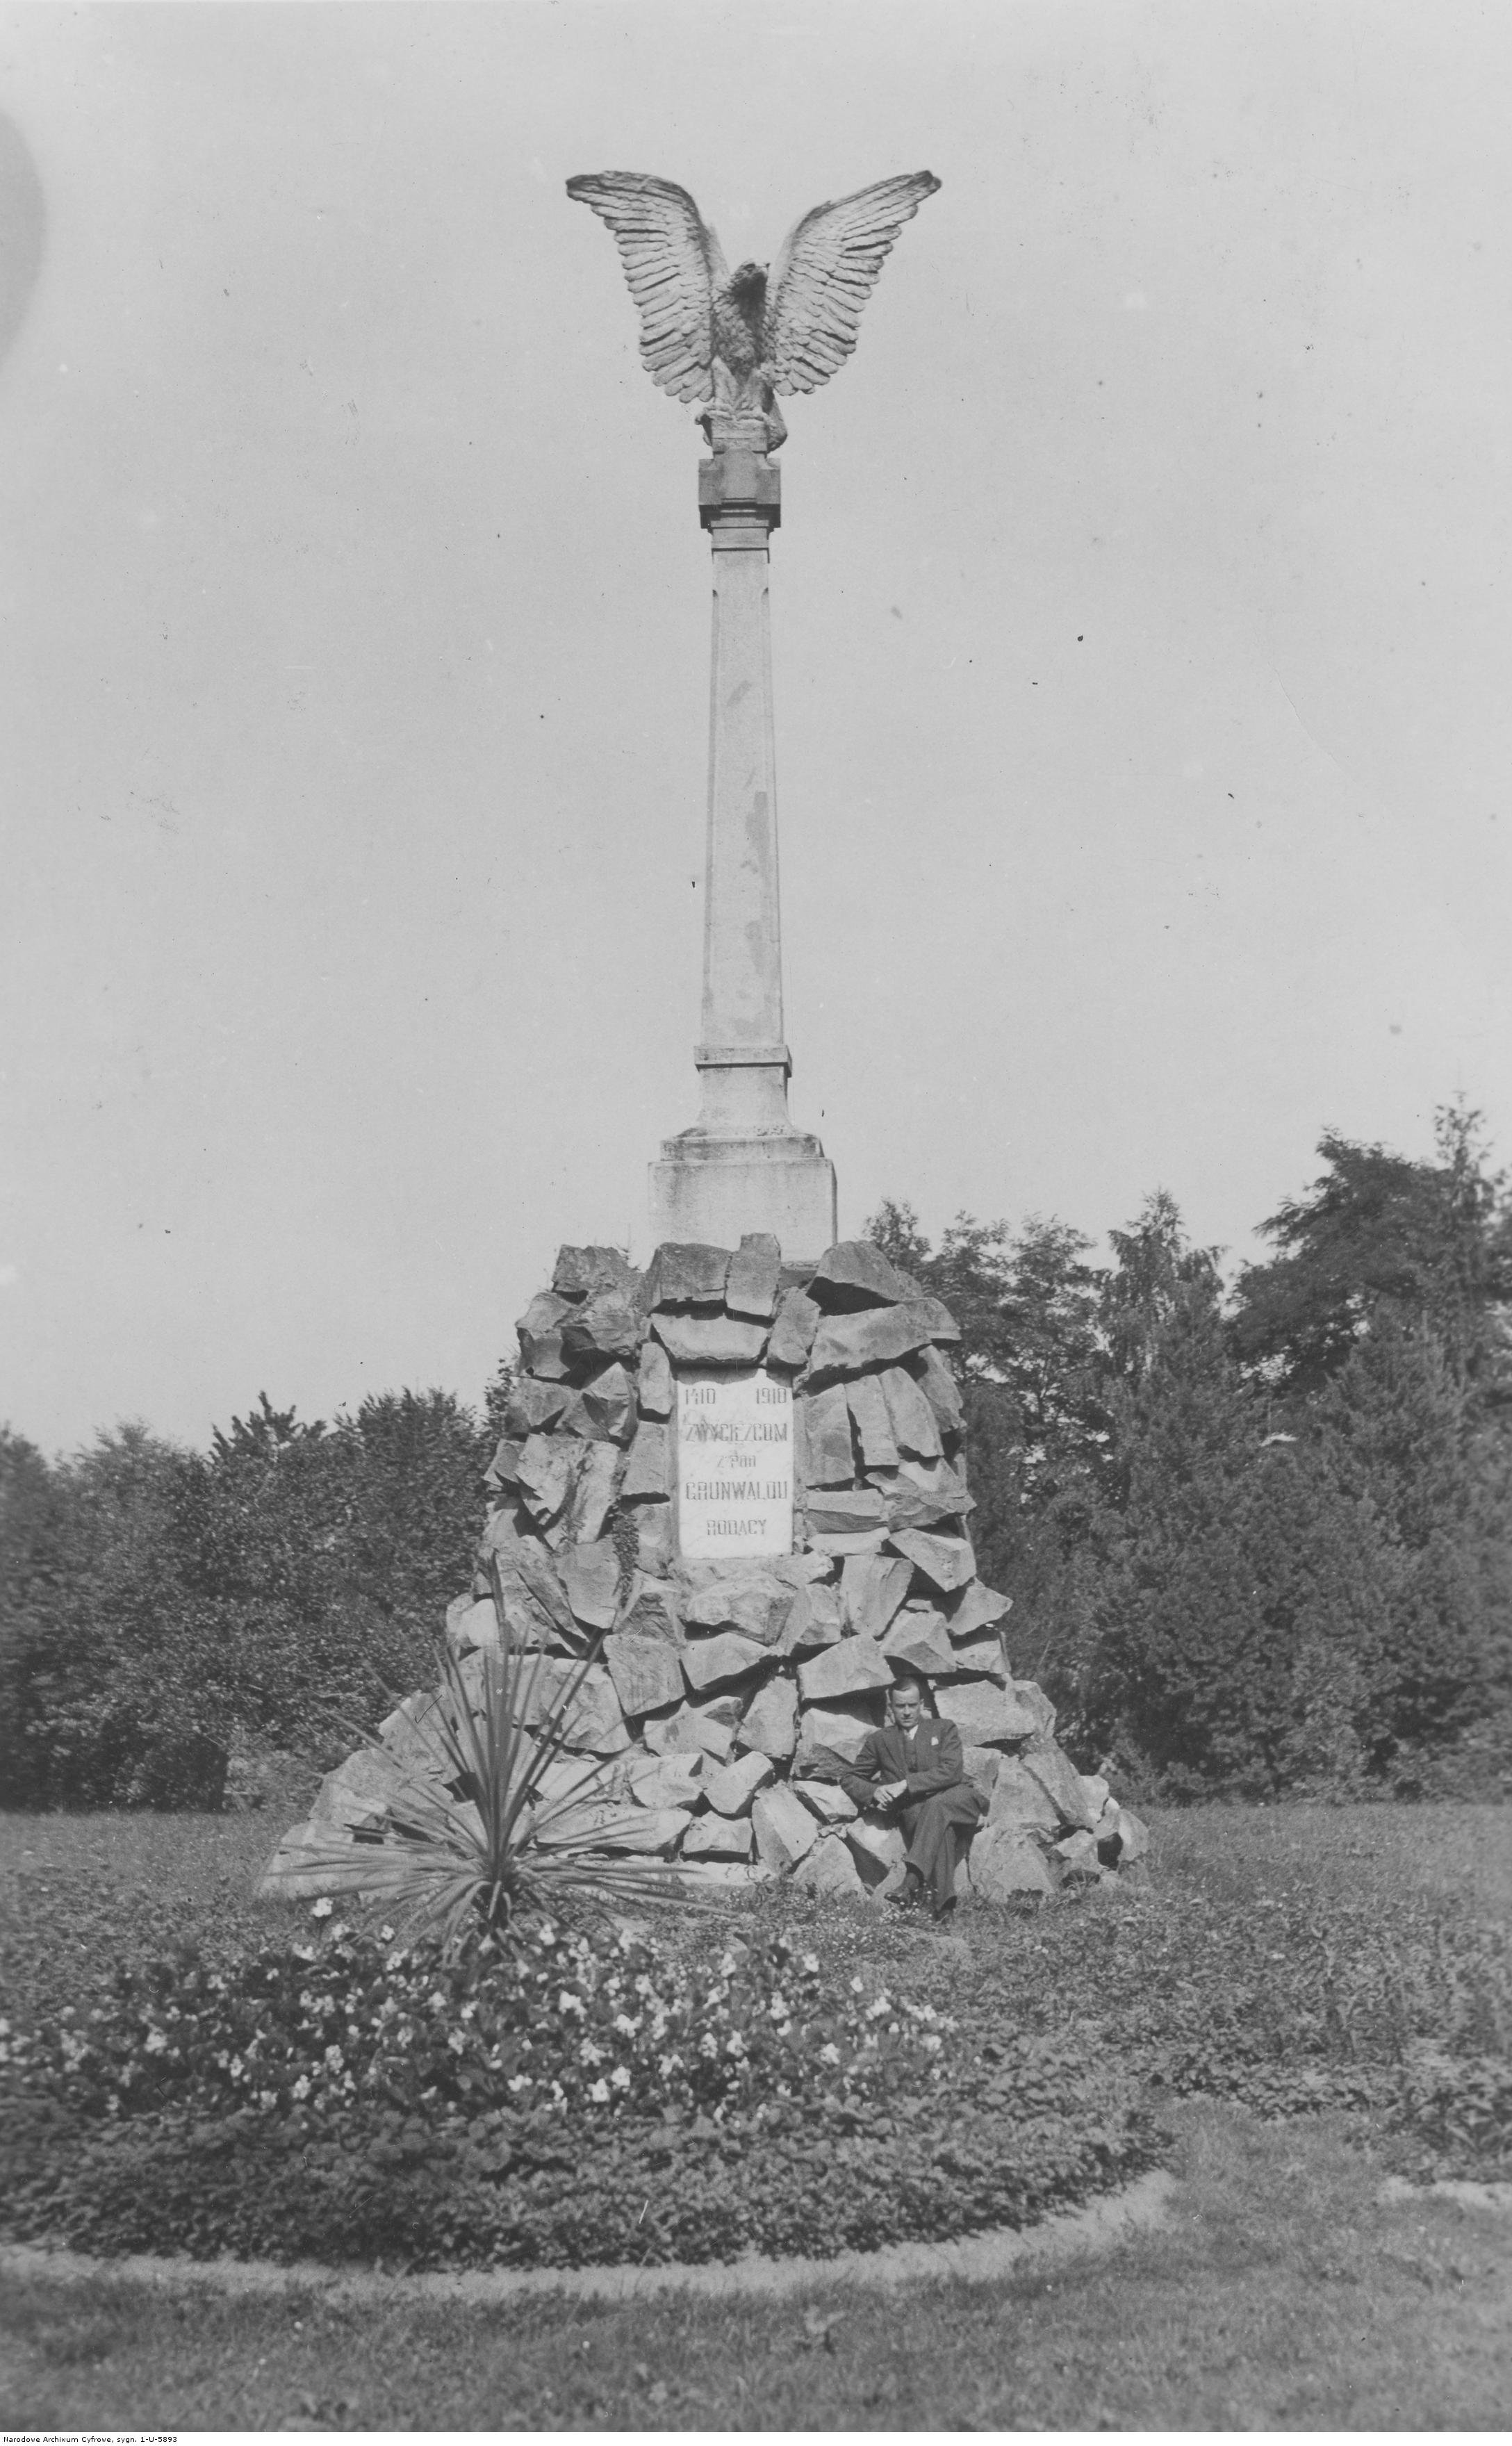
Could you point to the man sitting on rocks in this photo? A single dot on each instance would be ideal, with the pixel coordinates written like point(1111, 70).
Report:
point(915, 1766)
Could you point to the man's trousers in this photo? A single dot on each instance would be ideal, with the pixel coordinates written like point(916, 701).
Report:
point(928, 1830)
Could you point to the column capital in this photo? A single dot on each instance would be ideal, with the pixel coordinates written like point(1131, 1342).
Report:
point(738, 490)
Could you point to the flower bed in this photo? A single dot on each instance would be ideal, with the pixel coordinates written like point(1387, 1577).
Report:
point(575, 2101)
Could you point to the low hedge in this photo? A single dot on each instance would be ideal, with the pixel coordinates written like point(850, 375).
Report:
point(572, 2102)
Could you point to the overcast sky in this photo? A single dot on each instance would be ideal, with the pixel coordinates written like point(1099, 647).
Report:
point(1140, 635)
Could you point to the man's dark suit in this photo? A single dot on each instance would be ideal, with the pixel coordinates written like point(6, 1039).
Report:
point(938, 1798)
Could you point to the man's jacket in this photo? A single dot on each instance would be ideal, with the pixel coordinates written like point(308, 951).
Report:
point(930, 1757)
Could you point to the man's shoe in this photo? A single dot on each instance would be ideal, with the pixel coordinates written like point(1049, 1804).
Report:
point(910, 1895)
point(945, 1909)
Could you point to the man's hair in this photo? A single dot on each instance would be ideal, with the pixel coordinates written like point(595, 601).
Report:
point(907, 1682)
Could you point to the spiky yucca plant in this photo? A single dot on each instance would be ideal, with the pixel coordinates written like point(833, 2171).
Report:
point(469, 1862)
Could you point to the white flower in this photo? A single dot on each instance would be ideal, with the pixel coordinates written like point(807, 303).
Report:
point(708, 2045)
point(884, 2004)
point(811, 1963)
point(267, 2097)
point(157, 2043)
point(521, 2081)
point(323, 1909)
point(778, 2008)
point(386, 1936)
point(588, 2053)
point(599, 2093)
point(829, 2054)
point(666, 2064)
point(568, 2003)
point(734, 2044)
point(931, 2044)
point(619, 2078)
point(623, 2023)
point(728, 1966)
point(333, 2060)
point(858, 1987)
point(437, 2000)
point(457, 2040)
point(301, 2087)
point(467, 2012)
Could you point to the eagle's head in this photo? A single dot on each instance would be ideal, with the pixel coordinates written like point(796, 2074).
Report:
point(747, 284)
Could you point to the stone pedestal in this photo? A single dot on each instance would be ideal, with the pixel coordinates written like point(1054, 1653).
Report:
point(742, 1167)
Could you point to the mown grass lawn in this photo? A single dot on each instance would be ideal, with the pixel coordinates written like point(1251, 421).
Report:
point(1282, 2292)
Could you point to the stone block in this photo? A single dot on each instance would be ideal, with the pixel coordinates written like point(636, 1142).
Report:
point(572, 1782)
point(1019, 1799)
point(605, 1409)
point(839, 1672)
point(876, 1843)
point(718, 1838)
point(1050, 1765)
point(793, 1333)
point(608, 1326)
point(1096, 1792)
point(725, 1657)
point(533, 1405)
point(594, 1720)
point(820, 1626)
point(532, 1588)
point(413, 1734)
point(985, 1714)
point(784, 1829)
point(674, 1782)
point(915, 1429)
point(689, 1729)
point(917, 1639)
point(1134, 1836)
point(940, 1391)
point(1031, 1697)
point(981, 1654)
point(649, 1610)
point(655, 1389)
point(946, 1563)
point(307, 1862)
point(540, 1331)
point(830, 1737)
point(845, 1512)
point(547, 1473)
point(651, 1465)
point(756, 1604)
point(978, 1608)
point(646, 1830)
point(654, 1537)
point(982, 1769)
point(1005, 1863)
point(646, 1673)
point(924, 1494)
point(360, 1791)
point(852, 1541)
point(855, 1274)
point(832, 1806)
point(731, 1789)
point(942, 1326)
point(872, 1589)
point(828, 1872)
point(597, 1473)
point(872, 1424)
point(582, 1273)
point(873, 1337)
point(771, 1721)
point(829, 1457)
point(503, 1470)
point(688, 1274)
point(751, 1285)
point(1077, 1855)
point(471, 1625)
point(710, 1340)
point(591, 1577)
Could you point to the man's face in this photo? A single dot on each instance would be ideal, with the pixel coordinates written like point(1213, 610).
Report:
point(907, 1709)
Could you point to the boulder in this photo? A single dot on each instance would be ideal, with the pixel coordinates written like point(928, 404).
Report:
point(503, 1470)
point(1031, 1697)
point(688, 1274)
point(874, 1337)
point(533, 1405)
point(594, 1719)
point(982, 1654)
point(771, 1721)
point(829, 1872)
point(472, 1625)
point(985, 1714)
point(591, 1577)
point(709, 1728)
point(976, 1608)
point(673, 1782)
point(855, 1274)
point(655, 1383)
point(1096, 1793)
point(872, 1424)
point(918, 1640)
point(646, 1829)
point(605, 1409)
point(751, 1285)
point(1020, 1800)
point(606, 1326)
point(793, 1333)
point(413, 1734)
point(725, 1657)
point(570, 1782)
point(654, 1537)
point(829, 1738)
point(821, 1624)
point(845, 1512)
point(1134, 1837)
point(784, 1829)
point(1077, 1853)
point(710, 1340)
point(731, 1789)
point(876, 1844)
point(307, 1861)
point(851, 1542)
point(827, 1801)
point(982, 1769)
point(915, 1429)
point(828, 1455)
point(582, 1273)
point(920, 1494)
point(840, 1671)
point(531, 1587)
point(1049, 1767)
point(540, 1331)
point(1004, 1863)
point(359, 1791)
point(646, 1673)
point(649, 1610)
point(946, 1563)
point(547, 1473)
point(718, 1838)
point(940, 1391)
point(757, 1604)
point(872, 1589)
point(651, 1465)
point(597, 1473)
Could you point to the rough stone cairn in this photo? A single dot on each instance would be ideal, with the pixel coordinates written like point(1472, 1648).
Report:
point(729, 1694)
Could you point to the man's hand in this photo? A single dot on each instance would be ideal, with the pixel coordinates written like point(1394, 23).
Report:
point(890, 1792)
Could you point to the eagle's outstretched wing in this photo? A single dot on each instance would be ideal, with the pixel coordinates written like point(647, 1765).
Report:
point(673, 265)
point(824, 274)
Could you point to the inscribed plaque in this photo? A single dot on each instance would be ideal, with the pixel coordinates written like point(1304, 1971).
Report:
point(735, 1465)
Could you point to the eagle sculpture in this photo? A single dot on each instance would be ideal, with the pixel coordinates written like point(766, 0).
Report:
point(728, 340)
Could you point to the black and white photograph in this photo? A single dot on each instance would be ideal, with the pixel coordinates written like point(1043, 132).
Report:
point(755, 1216)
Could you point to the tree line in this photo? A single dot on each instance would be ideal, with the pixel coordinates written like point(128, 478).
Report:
point(1258, 1538)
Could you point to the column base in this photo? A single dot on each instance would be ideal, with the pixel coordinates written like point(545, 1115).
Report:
point(717, 1189)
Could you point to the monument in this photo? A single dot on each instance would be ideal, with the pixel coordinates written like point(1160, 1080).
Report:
point(729, 343)
point(730, 1498)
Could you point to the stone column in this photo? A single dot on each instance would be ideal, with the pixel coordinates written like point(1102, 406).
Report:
point(742, 1167)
